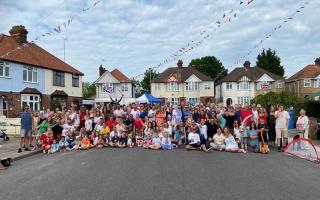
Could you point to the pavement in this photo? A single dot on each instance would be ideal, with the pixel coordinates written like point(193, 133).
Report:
point(9, 149)
point(140, 174)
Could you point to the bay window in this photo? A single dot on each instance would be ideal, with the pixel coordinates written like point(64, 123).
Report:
point(32, 100)
point(172, 87)
point(192, 86)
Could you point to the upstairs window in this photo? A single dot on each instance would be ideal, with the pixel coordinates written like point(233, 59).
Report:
point(4, 69)
point(172, 87)
point(228, 86)
point(124, 87)
point(279, 84)
point(244, 85)
point(157, 86)
point(58, 79)
point(307, 82)
point(30, 74)
point(192, 86)
point(75, 80)
point(207, 86)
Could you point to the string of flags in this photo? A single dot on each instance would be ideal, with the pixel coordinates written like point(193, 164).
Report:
point(268, 36)
point(55, 30)
point(226, 17)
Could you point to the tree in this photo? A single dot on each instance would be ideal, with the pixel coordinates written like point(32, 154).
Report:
point(145, 83)
point(88, 89)
point(210, 66)
point(269, 61)
point(272, 98)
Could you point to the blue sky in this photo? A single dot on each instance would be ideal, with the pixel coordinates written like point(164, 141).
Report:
point(133, 35)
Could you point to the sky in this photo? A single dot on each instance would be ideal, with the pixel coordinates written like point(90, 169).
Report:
point(134, 35)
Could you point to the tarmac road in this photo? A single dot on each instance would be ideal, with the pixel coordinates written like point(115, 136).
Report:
point(151, 175)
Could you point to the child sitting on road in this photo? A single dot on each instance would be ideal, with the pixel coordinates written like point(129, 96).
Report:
point(85, 143)
point(166, 142)
point(123, 140)
point(177, 138)
point(46, 139)
point(139, 138)
point(62, 144)
point(130, 142)
point(54, 147)
point(156, 141)
point(148, 142)
point(100, 143)
point(114, 139)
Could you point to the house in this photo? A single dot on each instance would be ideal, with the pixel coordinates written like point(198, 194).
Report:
point(306, 82)
point(29, 75)
point(113, 85)
point(243, 83)
point(183, 84)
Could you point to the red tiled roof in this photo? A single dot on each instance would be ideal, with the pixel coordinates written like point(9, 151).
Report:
point(32, 54)
point(59, 93)
point(310, 71)
point(120, 76)
point(28, 90)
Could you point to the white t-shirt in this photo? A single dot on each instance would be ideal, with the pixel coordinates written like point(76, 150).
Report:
point(152, 115)
point(203, 130)
point(193, 137)
point(281, 120)
point(218, 139)
point(98, 127)
point(135, 113)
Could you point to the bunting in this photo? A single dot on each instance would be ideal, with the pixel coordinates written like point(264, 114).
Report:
point(225, 18)
point(55, 30)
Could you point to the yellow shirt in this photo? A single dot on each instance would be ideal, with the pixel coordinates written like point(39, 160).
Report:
point(104, 131)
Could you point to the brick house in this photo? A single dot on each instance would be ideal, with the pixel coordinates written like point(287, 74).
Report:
point(305, 82)
point(30, 75)
point(183, 84)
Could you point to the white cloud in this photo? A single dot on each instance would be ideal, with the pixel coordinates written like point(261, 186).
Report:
point(136, 34)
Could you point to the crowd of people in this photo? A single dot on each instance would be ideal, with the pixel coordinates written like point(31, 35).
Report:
point(200, 127)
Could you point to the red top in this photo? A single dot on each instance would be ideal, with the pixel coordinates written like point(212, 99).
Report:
point(46, 140)
point(138, 123)
point(110, 124)
point(244, 114)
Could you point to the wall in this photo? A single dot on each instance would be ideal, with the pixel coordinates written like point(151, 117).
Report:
point(68, 88)
point(15, 83)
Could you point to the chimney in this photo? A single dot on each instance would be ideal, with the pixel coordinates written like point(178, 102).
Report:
point(180, 64)
point(19, 33)
point(102, 70)
point(317, 61)
point(246, 64)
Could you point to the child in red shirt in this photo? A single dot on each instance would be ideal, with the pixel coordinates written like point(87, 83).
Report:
point(47, 139)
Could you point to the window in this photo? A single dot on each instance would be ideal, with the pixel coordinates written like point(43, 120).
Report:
point(173, 101)
point(263, 85)
point(207, 86)
point(30, 74)
point(172, 87)
point(307, 82)
point(58, 79)
point(279, 84)
point(75, 80)
point(228, 86)
point(4, 69)
point(33, 101)
point(124, 87)
point(316, 83)
point(243, 85)
point(157, 86)
point(193, 101)
point(242, 100)
point(192, 86)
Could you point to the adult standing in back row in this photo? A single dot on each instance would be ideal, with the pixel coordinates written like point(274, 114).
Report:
point(282, 122)
point(26, 129)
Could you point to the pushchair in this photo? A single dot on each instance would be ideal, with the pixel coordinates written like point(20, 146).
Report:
point(3, 135)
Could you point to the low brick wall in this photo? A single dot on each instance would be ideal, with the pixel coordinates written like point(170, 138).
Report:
point(11, 124)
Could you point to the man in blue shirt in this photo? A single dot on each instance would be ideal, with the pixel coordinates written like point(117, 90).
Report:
point(26, 128)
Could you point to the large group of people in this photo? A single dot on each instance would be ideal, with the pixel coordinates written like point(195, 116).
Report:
point(237, 128)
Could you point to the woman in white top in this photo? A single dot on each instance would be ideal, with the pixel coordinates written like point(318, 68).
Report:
point(302, 124)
